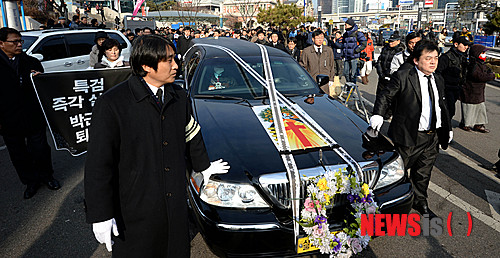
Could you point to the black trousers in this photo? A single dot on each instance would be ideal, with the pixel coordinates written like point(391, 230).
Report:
point(452, 95)
point(420, 159)
point(30, 155)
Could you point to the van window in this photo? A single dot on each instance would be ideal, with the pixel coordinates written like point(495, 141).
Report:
point(120, 39)
point(80, 43)
point(52, 48)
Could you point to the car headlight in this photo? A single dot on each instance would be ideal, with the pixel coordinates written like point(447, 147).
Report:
point(230, 195)
point(391, 173)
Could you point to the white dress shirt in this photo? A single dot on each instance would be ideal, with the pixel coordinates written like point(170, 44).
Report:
point(154, 89)
point(316, 48)
point(425, 117)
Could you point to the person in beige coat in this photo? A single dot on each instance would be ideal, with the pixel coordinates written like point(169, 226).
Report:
point(318, 58)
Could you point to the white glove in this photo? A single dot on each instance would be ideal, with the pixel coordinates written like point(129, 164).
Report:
point(330, 83)
point(376, 122)
point(102, 232)
point(216, 167)
point(451, 137)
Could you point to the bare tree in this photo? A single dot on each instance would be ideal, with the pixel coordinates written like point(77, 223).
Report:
point(244, 9)
point(188, 10)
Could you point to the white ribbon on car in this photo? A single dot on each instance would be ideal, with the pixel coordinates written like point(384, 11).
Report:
point(284, 147)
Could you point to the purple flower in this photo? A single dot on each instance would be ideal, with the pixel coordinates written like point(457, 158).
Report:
point(351, 198)
point(337, 247)
point(320, 220)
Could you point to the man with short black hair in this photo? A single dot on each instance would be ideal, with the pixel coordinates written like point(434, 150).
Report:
point(147, 31)
point(275, 43)
point(318, 58)
point(403, 60)
point(22, 123)
point(183, 42)
point(142, 137)
point(261, 38)
point(452, 66)
point(384, 61)
point(84, 22)
point(75, 23)
point(420, 120)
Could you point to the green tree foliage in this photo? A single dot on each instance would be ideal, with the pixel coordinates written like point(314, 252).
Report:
point(160, 5)
point(493, 23)
point(283, 15)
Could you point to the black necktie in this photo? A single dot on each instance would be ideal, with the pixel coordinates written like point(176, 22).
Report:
point(433, 101)
point(159, 96)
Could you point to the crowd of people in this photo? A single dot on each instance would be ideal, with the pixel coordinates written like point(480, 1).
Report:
point(418, 86)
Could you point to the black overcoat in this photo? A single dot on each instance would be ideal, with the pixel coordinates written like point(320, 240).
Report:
point(20, 112)
point(135, 170)
point(404, 92)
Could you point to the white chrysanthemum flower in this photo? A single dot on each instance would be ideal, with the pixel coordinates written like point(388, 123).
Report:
point(364, 240)
point(312, 189)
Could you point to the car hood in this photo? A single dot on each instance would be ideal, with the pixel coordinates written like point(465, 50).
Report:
point(232, 131)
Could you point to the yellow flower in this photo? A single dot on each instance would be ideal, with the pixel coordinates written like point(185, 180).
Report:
point(322, 184)
point(365, 189)
point(327, 199)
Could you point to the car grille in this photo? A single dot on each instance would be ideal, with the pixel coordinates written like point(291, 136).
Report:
point(278, 187)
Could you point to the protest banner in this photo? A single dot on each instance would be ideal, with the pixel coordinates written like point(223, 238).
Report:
point(67, 99)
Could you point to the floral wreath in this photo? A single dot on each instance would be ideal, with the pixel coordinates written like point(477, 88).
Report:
point(321, 192)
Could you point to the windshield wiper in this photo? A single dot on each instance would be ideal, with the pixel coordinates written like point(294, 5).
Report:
point(284, 94)
point(223, 97)
point(217, 97)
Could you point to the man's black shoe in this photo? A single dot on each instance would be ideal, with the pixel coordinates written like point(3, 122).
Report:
point(52, 184)
point(424, 209)
point(31, 190)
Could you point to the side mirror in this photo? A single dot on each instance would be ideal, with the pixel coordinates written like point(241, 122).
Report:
point(38, 56)
point(322, 79)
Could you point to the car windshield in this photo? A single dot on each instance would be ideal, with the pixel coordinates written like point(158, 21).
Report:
point(224, 77)
point(28, 41)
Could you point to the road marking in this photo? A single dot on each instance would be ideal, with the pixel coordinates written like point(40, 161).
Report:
point(478, 214)
point(471, 164)
point(3, 147)
point(492, 87)
point(494, 202)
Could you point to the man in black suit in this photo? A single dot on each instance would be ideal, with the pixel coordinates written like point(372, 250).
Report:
point(142, 138)
point(275, 42)
point(21, 120)
point(420, 120)
point(183, 42)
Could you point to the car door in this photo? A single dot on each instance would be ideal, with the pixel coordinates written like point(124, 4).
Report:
point(54, 51)
point(79, 46)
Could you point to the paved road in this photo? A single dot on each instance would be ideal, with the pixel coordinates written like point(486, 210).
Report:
point(52, 223)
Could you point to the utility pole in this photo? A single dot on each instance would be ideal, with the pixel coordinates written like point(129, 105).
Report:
point(319, 15)
point(419, 19)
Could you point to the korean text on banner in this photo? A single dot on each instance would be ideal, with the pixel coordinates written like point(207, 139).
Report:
point(67, 99)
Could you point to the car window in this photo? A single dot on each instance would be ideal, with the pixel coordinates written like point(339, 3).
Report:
point(191, 66)
point(28, 41)
point(80, 43)
point(223, 76)
point(52, 48)
point(119, 38)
